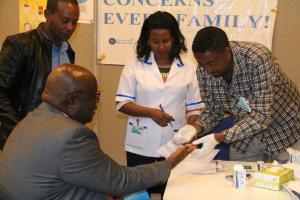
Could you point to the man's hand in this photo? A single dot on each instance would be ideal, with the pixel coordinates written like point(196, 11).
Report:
point(185, 134)
point(208, 144)
point(180, 153)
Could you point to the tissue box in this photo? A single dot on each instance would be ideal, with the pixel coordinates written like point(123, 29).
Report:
point(273, 177)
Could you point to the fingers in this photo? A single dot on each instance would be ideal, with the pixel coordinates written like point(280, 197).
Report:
point(190, 147)
point(171, 118)
point(176, 156)
point(167, 118)
point(179, 139)
point(180, 153)
point(186, 134)
point(199, 141)
point(162, 124)
point(164, 119)
point(187, 149)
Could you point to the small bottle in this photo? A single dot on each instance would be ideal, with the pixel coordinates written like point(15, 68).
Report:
point(239, 176)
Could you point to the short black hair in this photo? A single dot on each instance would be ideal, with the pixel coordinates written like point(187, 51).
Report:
point(52, 4)
point(160, 20)
point(210, 38)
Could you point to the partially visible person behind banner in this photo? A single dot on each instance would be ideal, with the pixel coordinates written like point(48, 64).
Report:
point(158, 90)
point(51, 154)
point(26, 59)
point(244, 80)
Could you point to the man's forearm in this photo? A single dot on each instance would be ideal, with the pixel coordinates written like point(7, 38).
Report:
point(220, 136)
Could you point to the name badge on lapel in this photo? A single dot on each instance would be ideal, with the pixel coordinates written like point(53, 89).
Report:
point(244, 104)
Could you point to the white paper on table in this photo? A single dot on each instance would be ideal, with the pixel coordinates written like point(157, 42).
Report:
point(192, 163)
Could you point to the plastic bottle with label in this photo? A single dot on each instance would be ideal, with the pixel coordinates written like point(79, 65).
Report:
point(239, 176)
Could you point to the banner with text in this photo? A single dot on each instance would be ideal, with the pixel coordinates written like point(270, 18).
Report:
point(120, 22)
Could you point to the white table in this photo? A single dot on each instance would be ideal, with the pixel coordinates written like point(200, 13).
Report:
point(216, 187)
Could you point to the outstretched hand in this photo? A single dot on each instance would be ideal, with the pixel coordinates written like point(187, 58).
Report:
point(180, 153)
point(208, 144)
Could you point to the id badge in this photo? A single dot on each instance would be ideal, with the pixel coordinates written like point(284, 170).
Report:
point(244, 104)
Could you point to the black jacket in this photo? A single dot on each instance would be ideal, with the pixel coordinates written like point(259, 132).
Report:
point(25, 63)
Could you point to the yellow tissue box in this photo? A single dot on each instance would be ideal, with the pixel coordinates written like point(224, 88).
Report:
point(273, 177)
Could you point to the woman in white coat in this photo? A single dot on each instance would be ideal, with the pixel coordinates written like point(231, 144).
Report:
point(158, 90)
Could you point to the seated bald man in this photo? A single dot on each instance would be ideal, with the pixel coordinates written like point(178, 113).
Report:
point(51, 154)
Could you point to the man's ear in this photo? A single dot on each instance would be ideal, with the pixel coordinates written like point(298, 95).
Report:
point(70, 99)
point(228, 52)
point(47, 13)
point(69, 104)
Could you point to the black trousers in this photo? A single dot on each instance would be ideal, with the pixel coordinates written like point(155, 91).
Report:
point(135, 160)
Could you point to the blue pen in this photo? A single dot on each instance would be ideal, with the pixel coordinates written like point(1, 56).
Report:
point(163, 110)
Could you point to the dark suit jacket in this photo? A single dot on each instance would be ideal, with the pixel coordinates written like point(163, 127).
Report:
point(50, 156)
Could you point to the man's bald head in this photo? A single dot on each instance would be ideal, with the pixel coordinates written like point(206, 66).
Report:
point(67, 89)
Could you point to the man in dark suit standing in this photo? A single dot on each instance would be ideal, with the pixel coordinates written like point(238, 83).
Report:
point(51, 154)
point(26, 59)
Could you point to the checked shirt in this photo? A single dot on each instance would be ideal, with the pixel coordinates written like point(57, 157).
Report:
point(274, 114)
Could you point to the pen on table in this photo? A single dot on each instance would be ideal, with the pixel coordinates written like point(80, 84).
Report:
point(163, 110)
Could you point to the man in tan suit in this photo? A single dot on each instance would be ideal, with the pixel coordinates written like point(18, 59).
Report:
point(52, 155)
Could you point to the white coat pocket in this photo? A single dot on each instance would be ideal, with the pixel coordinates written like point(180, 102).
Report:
point(135, 134)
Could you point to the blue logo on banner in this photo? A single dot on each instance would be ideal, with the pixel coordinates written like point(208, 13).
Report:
point(112, 41)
